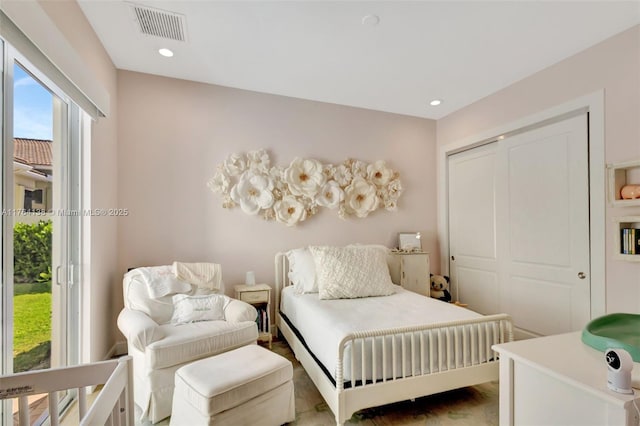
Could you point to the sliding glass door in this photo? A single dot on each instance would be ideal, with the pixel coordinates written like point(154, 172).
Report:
point(41, 233)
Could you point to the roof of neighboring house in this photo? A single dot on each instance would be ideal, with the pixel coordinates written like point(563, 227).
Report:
point(35, 152)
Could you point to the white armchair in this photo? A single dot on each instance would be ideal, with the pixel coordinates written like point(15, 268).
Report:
point(159, 347)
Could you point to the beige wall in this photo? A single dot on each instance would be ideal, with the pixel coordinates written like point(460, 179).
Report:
point(103, 281)
point(172, 134)
point(613, 65)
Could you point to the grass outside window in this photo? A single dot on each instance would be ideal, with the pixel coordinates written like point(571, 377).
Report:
point(32, 326)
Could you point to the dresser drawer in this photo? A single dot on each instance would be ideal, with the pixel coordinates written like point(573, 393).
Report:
point(255, 296)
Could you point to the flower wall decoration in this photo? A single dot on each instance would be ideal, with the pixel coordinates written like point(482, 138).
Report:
point(293, 194)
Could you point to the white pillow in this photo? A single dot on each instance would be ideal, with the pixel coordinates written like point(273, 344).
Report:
point(302, 270)
point(188, 309)
point(351, 272)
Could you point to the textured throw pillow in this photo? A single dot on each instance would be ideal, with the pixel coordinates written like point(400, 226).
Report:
point(302, 270)
point(351, 272)
point(188, 309)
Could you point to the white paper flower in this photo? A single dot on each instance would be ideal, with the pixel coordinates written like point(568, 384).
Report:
point(360, 197)
point(390, 205)
point(379, 173)
point(258, 160)
point(235, 164)
point(328, 170)
point(343, 175)
point(289, 211)
point(394, 189)
point(331, 195)
point(359, 168)
point(304, 177)
point(220, 182)
point(253, 192)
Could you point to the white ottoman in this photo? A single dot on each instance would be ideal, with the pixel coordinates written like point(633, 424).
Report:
point(246, 386)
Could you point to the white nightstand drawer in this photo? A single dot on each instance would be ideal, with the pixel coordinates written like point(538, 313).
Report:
point(255, 296)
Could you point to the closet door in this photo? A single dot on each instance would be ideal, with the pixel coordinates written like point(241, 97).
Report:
point(546, 216)
point(472, 228)
point(519, 227)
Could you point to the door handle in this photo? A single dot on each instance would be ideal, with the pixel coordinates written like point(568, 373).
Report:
point(58, 274)
point(582, 275)
point(453, 258)
point(71, 275)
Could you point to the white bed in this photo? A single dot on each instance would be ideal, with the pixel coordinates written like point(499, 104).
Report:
point(403, 345)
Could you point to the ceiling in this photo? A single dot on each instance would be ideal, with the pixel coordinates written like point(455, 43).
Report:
point(457, 51)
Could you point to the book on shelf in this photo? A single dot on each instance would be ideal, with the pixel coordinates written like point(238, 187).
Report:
point(630, 241)
point(262, 319)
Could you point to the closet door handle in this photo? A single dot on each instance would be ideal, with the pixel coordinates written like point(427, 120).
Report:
point(581, 275)
point(453, 258)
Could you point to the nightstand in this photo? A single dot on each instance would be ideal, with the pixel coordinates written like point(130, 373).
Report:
point(411, 271)
point(259, 296)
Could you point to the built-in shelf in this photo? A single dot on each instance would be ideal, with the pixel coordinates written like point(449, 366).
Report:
point(619, 175)
point(622, 223)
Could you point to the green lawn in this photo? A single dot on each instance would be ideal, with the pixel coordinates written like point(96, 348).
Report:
point(32, 326)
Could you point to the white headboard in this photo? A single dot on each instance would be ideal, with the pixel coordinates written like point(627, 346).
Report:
point(282, 276)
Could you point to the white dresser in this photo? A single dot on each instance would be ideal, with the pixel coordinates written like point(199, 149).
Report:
point(558, 380)
point(411, 271)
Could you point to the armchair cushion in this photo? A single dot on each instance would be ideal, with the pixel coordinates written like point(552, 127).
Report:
point(136, 297)
point(239, 311)
point(187, 342)
point(139, 329)
point(208, 307)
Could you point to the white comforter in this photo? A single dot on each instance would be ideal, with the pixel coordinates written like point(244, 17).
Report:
point(323, 323)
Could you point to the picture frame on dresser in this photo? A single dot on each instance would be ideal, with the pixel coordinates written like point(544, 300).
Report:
point(409, 241)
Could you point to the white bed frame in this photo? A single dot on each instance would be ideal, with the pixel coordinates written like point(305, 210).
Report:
point(454, 369)
point(113, 405)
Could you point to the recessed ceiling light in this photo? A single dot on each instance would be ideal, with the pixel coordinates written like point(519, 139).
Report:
point(435, 102)
point(370, 20)
point(165, 52)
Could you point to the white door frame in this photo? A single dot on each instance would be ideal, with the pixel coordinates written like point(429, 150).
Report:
point(592, 103)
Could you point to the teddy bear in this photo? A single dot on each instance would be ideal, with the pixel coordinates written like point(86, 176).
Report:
point(440, 287)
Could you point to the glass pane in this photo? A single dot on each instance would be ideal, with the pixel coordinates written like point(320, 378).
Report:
point(32, 230)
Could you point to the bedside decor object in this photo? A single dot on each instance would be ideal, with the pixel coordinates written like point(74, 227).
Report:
point(250, 278)
point(409, 241)
point(293, 194)
point(440, 287)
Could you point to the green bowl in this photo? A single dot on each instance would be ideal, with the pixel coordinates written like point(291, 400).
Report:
point(614, 331)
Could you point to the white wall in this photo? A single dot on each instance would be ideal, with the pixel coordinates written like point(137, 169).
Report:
point(172, 133)
point(613, 65)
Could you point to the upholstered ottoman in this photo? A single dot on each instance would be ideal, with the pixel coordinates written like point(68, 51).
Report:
point(246, 386)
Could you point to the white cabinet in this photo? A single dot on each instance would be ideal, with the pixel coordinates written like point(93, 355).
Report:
point(411, 271)
point(558, 380)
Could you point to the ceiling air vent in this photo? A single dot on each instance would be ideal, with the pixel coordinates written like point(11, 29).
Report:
point(160, 23)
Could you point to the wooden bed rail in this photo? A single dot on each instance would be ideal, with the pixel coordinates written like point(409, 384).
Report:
point(420, 350)
point(113, 405)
